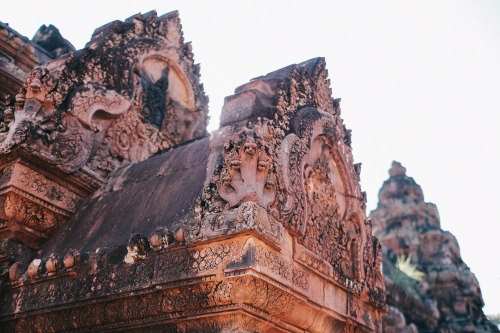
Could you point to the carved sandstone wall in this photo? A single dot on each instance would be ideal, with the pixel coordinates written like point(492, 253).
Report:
point(260, 227)
point(407, 225)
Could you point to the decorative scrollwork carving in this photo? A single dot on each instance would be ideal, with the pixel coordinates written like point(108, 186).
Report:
point(31, 214)
point(292, 195)
point(328, 233)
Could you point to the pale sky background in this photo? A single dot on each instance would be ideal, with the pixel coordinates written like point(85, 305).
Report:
point(419, 82)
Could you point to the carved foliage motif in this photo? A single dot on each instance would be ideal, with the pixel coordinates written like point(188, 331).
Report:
point(122, 310)
point(305, 87)
point(210, 257)
point(262, 294)
point(318, 264)
point(328, 234)
point(188, 300)
point(129, 138)
point(91, 98)
point(292, 196)
point(31, 214)
point(68, 146)
point(37, 184)
point(182, 263)
point(33, 204)
point(372, 254)
point(276, 264)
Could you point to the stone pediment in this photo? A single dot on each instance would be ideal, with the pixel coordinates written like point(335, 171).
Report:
point(131, 92)
point(259, 227)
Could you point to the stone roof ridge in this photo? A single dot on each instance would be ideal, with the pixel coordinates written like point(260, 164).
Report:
point(73, 261)
point(291, 70)
point(147, 24)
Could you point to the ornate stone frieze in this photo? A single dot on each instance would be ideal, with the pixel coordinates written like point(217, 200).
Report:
point(33, 205)
point(326, 270)
point(26, 179)
point(282, 268)
point(328, 233)
point(314, 191)
point(199, 260)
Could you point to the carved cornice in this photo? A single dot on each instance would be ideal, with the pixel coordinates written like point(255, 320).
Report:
point(177, 279)
point(32, 204)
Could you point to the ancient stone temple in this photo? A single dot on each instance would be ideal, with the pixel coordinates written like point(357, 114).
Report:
point(120, 213)
point(448, 299)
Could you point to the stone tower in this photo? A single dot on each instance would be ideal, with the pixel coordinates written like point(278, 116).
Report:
point(408, 226)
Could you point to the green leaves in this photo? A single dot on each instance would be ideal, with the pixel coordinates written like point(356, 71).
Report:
point(404, 265)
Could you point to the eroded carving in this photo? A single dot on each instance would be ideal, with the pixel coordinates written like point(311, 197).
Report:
point(277, 265)
point(248, 172)
point(372, 254)
point(328, 233)
point(41, 186)
point(119, 100)
point(262, 294)
point(292, 195)
point(30, 214)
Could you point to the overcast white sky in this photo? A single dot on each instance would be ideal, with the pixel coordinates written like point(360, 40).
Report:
point(419, 82)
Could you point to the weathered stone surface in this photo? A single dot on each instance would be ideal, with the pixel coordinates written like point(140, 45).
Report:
point(132, 91)
point(260, 227)
point(12, 250)
point(51, 40)
point(138, 199)
point(407, 225)
point(395, 322)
